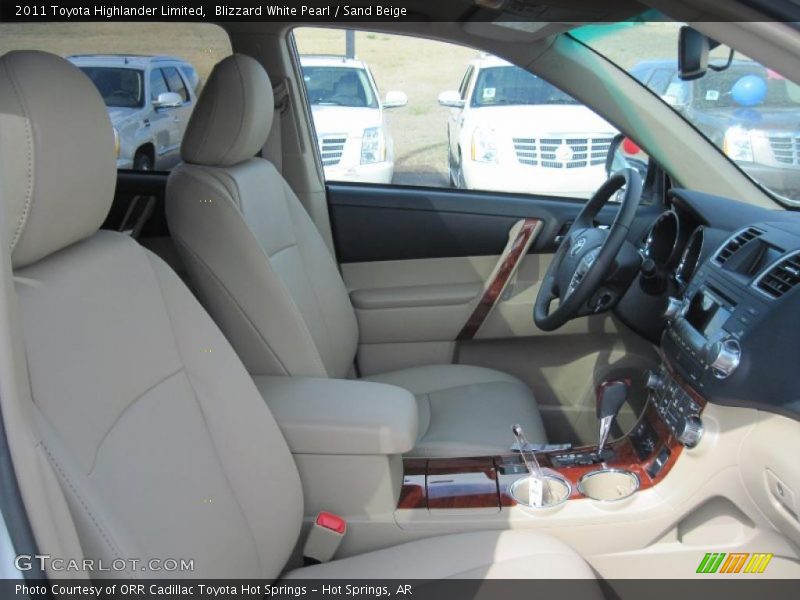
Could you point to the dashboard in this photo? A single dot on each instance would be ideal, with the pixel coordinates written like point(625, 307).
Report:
point(719, 290)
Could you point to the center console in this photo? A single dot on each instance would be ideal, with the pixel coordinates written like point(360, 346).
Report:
point(648, 452)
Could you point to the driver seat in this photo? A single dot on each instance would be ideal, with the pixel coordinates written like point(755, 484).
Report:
point(263, 271)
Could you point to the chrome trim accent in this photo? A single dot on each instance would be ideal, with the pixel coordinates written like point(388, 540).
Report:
point(555, 477)
point(767, 269)
point(727, 359)
point(698, 231)
point(591, 474)
point(692, 432)
point(649, 239)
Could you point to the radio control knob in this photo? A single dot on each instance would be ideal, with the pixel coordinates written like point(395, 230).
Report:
point(691, 432)
point(724, 357)
point(654, 381)
point(673, 309)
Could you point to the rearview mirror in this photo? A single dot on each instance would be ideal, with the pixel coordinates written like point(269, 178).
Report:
point(451, 99)
point(168, 100)
point(395, 99)
point(693, 49)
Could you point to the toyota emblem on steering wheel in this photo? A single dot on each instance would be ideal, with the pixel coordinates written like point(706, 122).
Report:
point(579, 244)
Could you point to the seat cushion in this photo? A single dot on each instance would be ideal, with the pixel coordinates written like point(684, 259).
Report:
point(475, 555)
point(466, 410)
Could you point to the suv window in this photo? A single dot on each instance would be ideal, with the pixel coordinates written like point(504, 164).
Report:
point(515, 86)
point(339, 86)
point(120, 88)
point(660, 80)
point(131, 64)
point(175, 83)
point(158, 85)
point(462, 89)
point(470, 120)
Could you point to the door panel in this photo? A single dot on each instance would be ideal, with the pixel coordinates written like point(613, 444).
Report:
point(380, 223)
point(420, 257)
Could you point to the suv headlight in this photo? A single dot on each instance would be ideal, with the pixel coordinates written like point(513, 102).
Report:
point(116, 141)
point(484, 146)
point(373, 146)
point(738, 144)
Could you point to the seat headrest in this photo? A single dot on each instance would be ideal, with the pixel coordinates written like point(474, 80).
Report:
point(57, 163)
point(233, 116)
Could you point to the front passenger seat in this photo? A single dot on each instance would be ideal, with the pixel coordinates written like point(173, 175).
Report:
point(158, 436)
point(263, 271)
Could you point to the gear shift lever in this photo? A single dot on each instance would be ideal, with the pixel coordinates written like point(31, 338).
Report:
point(611, 395)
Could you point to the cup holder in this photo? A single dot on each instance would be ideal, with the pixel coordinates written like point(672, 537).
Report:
point(557, 491)
point(608, 485)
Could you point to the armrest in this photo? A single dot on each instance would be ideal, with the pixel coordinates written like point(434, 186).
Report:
point(416, 296)
point(340, 416)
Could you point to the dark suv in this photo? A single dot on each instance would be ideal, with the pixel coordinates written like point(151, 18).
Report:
point(758, 128)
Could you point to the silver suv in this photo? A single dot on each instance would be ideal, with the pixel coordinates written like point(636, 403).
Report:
point(149, 100)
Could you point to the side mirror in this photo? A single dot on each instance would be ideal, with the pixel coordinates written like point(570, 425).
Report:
point(395, 99)
point(616, 158)
point(451, 99)
point(168, 100)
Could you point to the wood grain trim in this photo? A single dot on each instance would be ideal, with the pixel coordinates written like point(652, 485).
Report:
point(513, 256)
point(472, 479)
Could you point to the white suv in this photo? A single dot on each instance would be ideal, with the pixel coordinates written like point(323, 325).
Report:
point(511, 131)
point(353, 139)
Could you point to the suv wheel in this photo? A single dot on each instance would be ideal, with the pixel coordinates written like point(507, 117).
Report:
point(142, 161)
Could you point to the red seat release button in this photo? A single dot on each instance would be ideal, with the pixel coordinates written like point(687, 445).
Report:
point(332, 522)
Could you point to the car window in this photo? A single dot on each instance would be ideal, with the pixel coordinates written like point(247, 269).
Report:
point(120, 87)
point(175, 83)
point(449, 116)
point(660, 80)
point(509, 85)
point(465, 83)
point(125, 63)
point(749, 112)
point(158, 85)
point(191, 77)
point(338, 86)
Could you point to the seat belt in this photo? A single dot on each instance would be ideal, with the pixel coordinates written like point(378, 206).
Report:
point(273, 147)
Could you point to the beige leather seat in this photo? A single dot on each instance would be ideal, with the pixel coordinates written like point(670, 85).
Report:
point(261, 268)
point(156, 432)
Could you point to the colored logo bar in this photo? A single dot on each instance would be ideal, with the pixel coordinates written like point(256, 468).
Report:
point(735, 562)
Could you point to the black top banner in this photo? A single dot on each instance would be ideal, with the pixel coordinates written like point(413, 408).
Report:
point(350, 11)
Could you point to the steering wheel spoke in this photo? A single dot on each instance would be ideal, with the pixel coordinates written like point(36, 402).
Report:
point(583, 259)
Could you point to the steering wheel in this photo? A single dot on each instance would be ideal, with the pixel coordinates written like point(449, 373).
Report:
point(587, 253)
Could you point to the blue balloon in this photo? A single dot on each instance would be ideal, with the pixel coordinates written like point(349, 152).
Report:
point(749, 90)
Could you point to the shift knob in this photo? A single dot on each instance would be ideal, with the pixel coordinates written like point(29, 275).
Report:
point(611, 395)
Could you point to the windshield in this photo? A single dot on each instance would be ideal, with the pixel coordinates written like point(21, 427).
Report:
point(339, 86)
point(119, 87)
point(748, 111)
point(513, 85)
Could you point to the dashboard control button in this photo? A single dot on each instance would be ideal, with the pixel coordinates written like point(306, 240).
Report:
point(654, 381)
point(691, 432)
point(724, 357)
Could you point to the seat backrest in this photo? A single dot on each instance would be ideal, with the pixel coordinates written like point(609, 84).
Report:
point(254, 256)
point(160, 440)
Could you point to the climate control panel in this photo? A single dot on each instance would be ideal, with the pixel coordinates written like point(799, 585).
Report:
point(679, 411)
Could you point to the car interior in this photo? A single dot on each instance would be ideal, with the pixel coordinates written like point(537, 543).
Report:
point(206, 377)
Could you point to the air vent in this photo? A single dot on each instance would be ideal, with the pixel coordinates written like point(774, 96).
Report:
point(735, 243)
point(781, 277)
